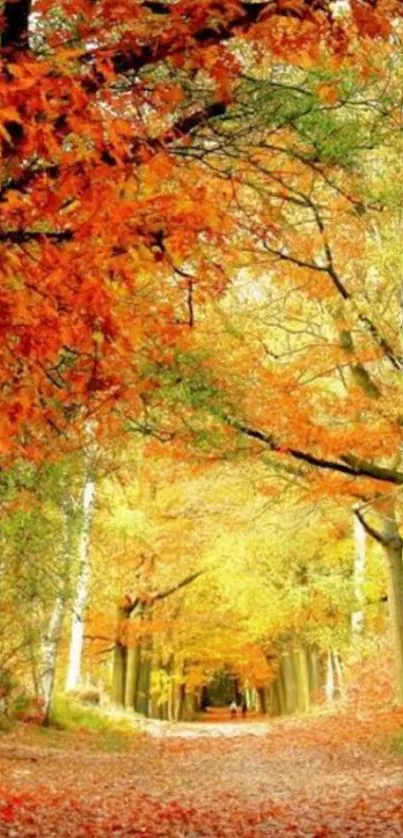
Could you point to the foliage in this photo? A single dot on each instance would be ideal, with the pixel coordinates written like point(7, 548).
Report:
point(110, 237)
point(322, 777)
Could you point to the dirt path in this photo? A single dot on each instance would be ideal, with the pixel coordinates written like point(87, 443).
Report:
point(319, 779)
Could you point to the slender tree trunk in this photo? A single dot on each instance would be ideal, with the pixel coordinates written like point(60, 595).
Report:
point(302, 679)
point(314, 675)
point(49, 656)
point(83, 580)
point(130, 677)
point(262, 693)
point(155, 709)
point(339, 675)
point(357, 618)
point(143, 697)
point(119, 673)
point(172, 701)
point(329, 685)
point(133, 663)
point(288, 674)
point(281, 691)
point(277, 705)
point(144, 680)
point(120, 652)
point(45, 676)
point(181, 701)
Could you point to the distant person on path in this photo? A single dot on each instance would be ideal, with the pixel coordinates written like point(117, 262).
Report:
point(244, 708)
point(233, 709)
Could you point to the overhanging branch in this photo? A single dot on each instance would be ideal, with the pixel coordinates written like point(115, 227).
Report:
point(149, 601)
point(24, 236)
point(347, 464)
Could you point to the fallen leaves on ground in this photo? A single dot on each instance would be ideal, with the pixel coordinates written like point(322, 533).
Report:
point(322, 777)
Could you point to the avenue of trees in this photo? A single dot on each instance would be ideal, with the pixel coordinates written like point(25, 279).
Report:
point(201, 349)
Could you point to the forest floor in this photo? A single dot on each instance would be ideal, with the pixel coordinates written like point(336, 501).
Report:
point(327, 776)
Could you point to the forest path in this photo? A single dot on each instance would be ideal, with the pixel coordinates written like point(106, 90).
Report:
point(212, 726)
point(316, 778)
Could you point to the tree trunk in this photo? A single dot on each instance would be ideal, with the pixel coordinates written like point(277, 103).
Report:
point(262, 693)
point(274, 702)
point(172, 701)
point(45, 676)
point(393, 550)
point(392, 543)
point(83, 580)
point(204, 698)
point(144, 679)
point(339, 675)
point(119, 673)
point(329, 685)
point(288, 674)
point(302, 679)
point(180, 702)
point(314, 675)
point(357, 618)
point(133, 663)
point(49, 656)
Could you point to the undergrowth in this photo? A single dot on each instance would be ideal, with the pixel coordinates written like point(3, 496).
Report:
point(114, 730)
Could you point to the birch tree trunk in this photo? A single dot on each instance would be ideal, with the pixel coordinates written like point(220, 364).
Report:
point(83, 580)
point(329, 685)
point(357, 618)
point(50, 643)
point(339, 673)
point(49, 655)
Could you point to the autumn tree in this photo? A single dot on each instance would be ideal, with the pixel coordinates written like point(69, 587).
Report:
point(309, 358)
point(118, 225)
point(99, 216)
point(38, 545)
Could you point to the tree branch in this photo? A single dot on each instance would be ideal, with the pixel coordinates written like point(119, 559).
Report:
point(15, 20)
point(23, 236)
point(349, 464)
point(149, 601)
point(184, 583)
point(375, 534)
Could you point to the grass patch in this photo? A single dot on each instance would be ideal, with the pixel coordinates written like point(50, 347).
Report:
point(114, 730)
